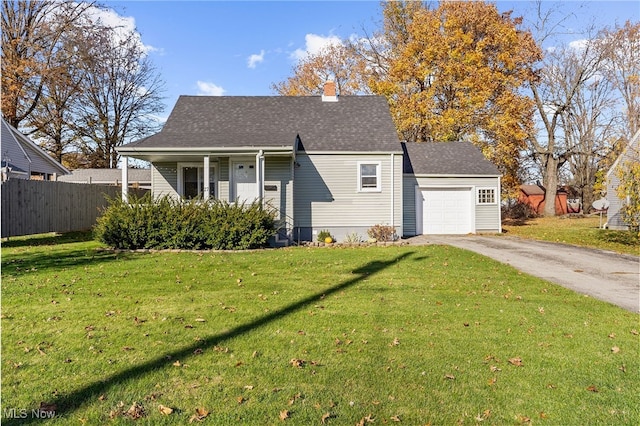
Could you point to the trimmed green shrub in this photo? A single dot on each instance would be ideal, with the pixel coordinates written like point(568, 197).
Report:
point(166, 223)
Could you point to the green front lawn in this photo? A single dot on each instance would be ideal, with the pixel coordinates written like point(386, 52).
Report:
point(579, 231)
point(423, 335)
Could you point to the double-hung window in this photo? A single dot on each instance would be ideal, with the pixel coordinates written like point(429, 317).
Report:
point(369, 176)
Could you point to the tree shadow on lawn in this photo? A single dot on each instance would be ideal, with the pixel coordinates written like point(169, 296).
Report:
point(66, 404)
point(18, 263)
point(48, 239)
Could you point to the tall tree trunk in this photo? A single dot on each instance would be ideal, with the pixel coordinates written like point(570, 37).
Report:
point(551, 185)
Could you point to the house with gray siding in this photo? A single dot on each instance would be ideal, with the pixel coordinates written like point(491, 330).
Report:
point(323, 162)
point(630, 153)
point(23, 159)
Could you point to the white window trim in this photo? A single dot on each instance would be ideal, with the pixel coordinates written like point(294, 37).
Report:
point(495, 195)
point(378, 187)
point(180, 179)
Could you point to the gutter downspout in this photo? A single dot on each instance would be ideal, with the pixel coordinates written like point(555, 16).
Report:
point(260, 176)
point(206, 191)
point(498, 200)
point(393, 208)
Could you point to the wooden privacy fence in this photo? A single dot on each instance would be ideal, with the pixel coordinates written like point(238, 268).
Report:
point(36, 207)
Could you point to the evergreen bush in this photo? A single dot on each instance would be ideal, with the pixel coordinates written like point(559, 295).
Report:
point(166, 223)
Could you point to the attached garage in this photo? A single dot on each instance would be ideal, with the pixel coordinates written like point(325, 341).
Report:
point(444, 210)
point(449, 188)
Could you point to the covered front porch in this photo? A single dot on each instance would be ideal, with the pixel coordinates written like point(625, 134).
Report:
point(240, 175)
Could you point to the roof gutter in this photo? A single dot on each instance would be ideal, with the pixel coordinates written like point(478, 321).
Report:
point(205, 150)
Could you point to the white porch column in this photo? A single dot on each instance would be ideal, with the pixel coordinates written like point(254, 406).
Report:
point(206, 179)
point(125, 179)
point(260, 174)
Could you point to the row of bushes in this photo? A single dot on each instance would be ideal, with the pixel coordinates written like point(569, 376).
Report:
point(166, 223)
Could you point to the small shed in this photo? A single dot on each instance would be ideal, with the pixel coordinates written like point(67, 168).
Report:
point(534, 196)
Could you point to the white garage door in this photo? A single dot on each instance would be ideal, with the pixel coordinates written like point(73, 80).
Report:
point(446, 211)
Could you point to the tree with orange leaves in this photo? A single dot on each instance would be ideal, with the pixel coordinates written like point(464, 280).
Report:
point(455, 73)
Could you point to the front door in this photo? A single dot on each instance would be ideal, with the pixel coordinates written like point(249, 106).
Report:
point(244, 181)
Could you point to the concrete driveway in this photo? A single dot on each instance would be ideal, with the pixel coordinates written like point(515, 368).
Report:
point(604, 275)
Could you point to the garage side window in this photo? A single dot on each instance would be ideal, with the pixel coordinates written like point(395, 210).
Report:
point(486, 196)
point(369, 176)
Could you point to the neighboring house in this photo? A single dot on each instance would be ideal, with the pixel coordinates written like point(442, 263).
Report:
point(138, 178)
point(534, 197)
point(324, 162)
point(630, 153)
point(23, 159)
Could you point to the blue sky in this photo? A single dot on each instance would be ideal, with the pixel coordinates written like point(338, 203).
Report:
point(242, 47)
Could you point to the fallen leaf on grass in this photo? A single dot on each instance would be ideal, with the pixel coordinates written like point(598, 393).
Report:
point(284, 415)
point(200, 414)
point(615, 349)
point(325, 417)
point(524, 419)
point(516, 361)
point(294, 398)
point(240, 399)
point(299, 363)
point(136, 411)
point(449, 376)
point(592, 388)
point(365, 420)
point(165, 410)
point(395, 342)
point(395, 418)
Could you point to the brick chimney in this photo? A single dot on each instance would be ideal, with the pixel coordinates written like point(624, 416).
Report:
point(329, 94)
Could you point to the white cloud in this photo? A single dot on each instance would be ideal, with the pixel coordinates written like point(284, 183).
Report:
point(579, 45)
point(255, 59)
point(209, 89)
point(314, 43)
point(123, 26)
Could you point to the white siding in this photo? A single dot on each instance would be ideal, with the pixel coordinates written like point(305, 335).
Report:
point(327, 197)
point(487, 217)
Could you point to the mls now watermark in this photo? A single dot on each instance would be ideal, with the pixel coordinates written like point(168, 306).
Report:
point(23, 413)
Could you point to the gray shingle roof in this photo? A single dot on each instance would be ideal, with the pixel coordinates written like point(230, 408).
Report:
point(446, 158)
point(353, 123)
